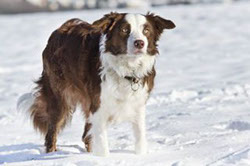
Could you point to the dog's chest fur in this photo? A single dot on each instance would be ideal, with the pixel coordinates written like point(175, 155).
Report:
point(118, 101)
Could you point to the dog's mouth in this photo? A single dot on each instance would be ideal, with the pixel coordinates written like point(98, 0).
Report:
point(138, 51)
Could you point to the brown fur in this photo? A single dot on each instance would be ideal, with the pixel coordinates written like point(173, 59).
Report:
point(71, 67)
point(70, 76)
point(87, 138)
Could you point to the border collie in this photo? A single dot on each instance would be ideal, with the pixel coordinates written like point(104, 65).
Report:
point(108, 68)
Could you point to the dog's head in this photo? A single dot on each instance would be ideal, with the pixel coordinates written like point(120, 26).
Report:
point(132, 34)
point(129, 42)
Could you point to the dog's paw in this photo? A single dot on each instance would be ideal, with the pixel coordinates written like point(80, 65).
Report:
point(101, 153)
point(141, 148)
point(141, 151)
point(51, 149)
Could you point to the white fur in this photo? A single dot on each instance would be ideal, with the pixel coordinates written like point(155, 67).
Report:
point(25, 102)
point(125, 65)
point(137, 22)
point(118, 101)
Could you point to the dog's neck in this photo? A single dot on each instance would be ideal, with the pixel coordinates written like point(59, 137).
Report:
point(124, 65)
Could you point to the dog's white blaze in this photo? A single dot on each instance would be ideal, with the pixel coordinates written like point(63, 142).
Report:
point(137, 22)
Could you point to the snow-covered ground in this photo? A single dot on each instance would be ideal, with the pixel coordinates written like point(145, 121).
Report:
point(198, 114)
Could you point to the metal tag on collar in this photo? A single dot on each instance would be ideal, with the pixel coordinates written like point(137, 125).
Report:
point(135, 80)
point(135, 85)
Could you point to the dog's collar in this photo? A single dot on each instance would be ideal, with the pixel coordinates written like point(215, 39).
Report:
point(132, 79)
point(135, 82)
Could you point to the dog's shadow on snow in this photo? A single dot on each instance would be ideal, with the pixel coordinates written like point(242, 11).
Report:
point(33, 152)
point(29, 152)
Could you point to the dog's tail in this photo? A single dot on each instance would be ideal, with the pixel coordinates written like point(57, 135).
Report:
point(36, 106)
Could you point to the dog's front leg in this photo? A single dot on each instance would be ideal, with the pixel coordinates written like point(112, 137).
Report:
point(140, 132)
point(99, 133)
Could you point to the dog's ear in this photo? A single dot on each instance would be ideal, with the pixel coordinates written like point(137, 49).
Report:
point(107, 22)
point(160, 23)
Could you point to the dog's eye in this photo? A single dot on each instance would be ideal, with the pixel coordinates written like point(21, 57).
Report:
point(125, 30)
point(145, 31)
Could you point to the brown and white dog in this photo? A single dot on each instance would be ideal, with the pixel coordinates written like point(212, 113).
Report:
point(108, 68)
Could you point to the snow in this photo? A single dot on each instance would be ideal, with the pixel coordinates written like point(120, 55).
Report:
point(198, 114)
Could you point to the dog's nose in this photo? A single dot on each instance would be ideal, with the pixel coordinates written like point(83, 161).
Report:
point(139, 44)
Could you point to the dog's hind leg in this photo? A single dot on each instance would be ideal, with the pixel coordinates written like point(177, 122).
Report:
point(53, 126)
point(59, 114)
point(89, 111)
point(51, 138)
point(86, 138)
point(48, 117)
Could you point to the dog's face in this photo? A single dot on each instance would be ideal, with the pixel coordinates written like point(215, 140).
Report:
point(132, 34)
